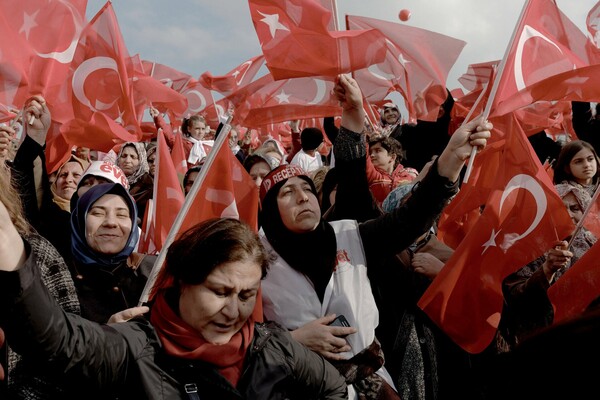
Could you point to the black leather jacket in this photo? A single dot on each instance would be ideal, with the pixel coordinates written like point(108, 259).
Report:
point(126, 360)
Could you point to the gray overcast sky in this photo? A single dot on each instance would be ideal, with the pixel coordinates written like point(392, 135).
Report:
point(195, 36)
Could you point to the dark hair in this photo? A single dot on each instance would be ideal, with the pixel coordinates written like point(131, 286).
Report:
point(329, 184)
point(186, 177)
point(392, 146)
point(562, 171)
point(188, 122)
point(205, 246)
point(311, 138)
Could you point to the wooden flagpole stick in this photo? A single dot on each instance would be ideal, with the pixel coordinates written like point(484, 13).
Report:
point(494, 89)
point(189, 199)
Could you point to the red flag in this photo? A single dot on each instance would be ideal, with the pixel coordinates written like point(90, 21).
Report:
point(52, 30)
point(178, 156)
point(593, 24)
point(296, 41)
point(168, 194)
point(15, 58)
point(168, 76)
point(522, 218)
point(417, 64)
point(226, 191)
point(146, 243)
point(577, 287)
point(581, 84)
point(545, 43)
point(199, 98)
point(234, 79)
point(478, 75)
point(288, 99)
point(99, 86)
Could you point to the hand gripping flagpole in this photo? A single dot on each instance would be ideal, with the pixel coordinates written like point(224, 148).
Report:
point(494, 89)
point(189, 200)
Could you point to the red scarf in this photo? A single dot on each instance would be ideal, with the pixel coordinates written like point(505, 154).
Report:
point(181, 340)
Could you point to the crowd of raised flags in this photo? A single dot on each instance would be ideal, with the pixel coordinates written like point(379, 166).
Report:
point(98, 93)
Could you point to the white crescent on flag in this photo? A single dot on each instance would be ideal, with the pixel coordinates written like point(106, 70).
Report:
point(321, 88)
point(523, 181)
point(527, 33)
point(81, 74)
point(226, 198)
point(66, 56)
point(199, 96)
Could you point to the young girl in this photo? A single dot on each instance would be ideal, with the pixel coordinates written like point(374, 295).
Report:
point(577, 164)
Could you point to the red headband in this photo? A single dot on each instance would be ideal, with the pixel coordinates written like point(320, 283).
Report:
point(281, 173)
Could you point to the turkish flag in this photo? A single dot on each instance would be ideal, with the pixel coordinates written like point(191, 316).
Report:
point(15, 59)
point(581, 84)
point(545, 43)
point(288, 99)
point(577, 287)
point(198, 97)
point(478, 75)
point(168, 194)
point(234, 79)
point(417, 64)
point(178, 156)
point(52, 30)
point(224, 190)
point(168, 76)
point(522, 218)
point(593, 23)
point(100, 88)
point(146, 243)
point(296, 41)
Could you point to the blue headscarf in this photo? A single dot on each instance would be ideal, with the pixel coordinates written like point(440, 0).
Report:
point(82, 252)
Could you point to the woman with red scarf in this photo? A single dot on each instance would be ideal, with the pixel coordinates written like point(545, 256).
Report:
point(201, 341)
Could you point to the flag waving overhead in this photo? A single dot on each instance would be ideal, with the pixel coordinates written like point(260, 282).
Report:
point(100, 84)
point(234, 79)
point(522, 218)
point(545, 43)
point(417, 64)
point(296, 42)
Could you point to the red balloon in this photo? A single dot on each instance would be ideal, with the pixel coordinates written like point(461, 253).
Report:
point(404, 15)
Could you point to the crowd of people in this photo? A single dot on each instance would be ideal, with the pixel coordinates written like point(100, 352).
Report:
point(320, 303)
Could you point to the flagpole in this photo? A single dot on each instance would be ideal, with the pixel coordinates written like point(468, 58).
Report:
point(336, 23)
point(585, 214)
point(490, 101)
point(189, 200)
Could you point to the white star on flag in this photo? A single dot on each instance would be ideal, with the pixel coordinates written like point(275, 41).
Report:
point(491, 241)
point(28, 23)
point(273, 21)
point(283, 97)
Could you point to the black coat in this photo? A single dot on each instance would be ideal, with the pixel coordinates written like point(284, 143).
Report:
point(126, 360)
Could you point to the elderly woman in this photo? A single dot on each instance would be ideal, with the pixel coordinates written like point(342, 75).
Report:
point(320, 268)
point(55, 217)
point(132, 159)
point(108, 275)
point(202, 340)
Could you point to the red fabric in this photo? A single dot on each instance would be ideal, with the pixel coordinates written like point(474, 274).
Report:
point(182, 341)
point(15, 58)
point(234, 79)
point(478, 75)
point(592, 27)
point(199, 98)
point(146, 244)
point(148, 91)
point(516, 227)
point(296, 42)
point(51, 29)
point(99, 88)
point(178, 155)
point(546, 43)
point(168, 194)
point(417, 64)
point(226, 191)
point(168, 76)
point(581, 84)
point(576, 288)
point(288, 99)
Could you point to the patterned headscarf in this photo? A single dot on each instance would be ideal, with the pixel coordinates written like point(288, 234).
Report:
point(143, 168)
